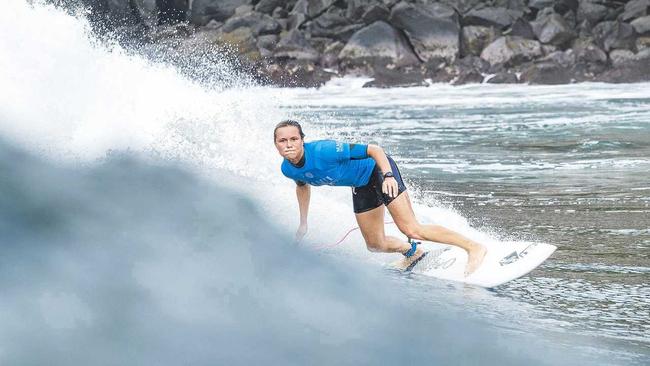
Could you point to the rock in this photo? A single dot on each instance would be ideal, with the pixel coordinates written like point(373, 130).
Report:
point(511, 50)
point(268, 41)
point(503, 78)
point(546, 73)
point(564, 6)
point(475, 38)
point(379, 41)
point(299, 73)
point(341, 33)
point(258, 23)
point(591, 11)
point(243, 10)
point(468, 77)
point(635, 9)
point(631, 72)
point(331, 19)
point(586, 51)
point(553, 29)
point(521, 28)
point(279, 13)
point(540, 4)
point(548, 49)
point(293, 45)
point(356, 8)
point(295, 20)
point(242, 42)
point(375, 13)
point(500, 18)
point(620, 57)
point(563, 58)
point(642, 43)
point(395, 78)
point(202, 11)
point(267, 6)
point(147, 12)
point(614, 35)
point(432, 29)
point(641, 25)
point(312, 8)
point(472, 63)
point(463, 6)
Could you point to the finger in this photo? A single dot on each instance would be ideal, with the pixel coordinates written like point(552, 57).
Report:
point(393, 191)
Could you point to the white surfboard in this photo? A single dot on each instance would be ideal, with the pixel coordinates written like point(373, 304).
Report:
point(503, 262)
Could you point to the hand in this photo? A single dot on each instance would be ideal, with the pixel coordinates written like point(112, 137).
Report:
point(390, 187)
point(300, 233)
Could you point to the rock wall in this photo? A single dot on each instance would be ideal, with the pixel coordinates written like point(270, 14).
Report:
point(404, 43)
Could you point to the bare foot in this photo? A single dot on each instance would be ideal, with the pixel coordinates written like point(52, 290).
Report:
point(475, 259)
point(404, 263)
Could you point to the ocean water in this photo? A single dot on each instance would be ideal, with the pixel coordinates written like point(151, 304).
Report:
point(143, 217)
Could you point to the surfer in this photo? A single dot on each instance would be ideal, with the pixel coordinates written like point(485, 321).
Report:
point(376, 182)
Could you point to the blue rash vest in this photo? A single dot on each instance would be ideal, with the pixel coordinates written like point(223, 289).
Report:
point(332, 163)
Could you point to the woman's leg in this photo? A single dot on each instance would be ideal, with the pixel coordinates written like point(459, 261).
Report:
point(402, 212)
point(371, 224)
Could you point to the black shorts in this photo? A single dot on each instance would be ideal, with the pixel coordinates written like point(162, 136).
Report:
point(370, 196)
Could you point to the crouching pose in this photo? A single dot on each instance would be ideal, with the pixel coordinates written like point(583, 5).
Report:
point(376, 182)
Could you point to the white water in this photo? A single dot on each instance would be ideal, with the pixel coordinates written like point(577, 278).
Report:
point(73, 100)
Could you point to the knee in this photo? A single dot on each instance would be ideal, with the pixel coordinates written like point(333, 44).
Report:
point(412, 231)
point(375, 245)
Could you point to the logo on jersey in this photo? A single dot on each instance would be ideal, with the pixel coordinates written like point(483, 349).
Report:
point(339, 147)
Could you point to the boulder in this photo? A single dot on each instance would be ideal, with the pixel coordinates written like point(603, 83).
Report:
point(240, 41)
point(294, 45)
point(312, 8)
point(511, 50)
point(375, 13)
point(147, 11)
point(591, 11)
point(521, 28)
point(553, 29)
point(468, 77)
point(565, 59)
point(267, 6)
point(641, 25)
point(395, 78)
point(620, 57)
point(586, 51)
point(503, 78)
point(540, 4)
point(267, 42)
point(432, 29)
point(379, 41)
point(202, 11)
point(614, 35)
point(635, 9)
point(546, 73)
point(341, 33)
point(475, 38)
point(642, 43)
point(631, 72)
point(499, 18)
point(463, 6)
point(258, 23)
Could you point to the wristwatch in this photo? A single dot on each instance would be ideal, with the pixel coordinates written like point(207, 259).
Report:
point(388, 175)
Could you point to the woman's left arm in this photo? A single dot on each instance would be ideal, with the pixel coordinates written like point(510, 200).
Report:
point(389, 186)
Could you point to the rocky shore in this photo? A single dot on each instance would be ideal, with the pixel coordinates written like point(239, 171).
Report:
point(401, 43)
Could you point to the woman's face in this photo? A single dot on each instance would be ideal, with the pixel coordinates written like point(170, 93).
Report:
point(289, 143)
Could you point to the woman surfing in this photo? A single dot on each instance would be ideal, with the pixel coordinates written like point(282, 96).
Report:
point(376, 182)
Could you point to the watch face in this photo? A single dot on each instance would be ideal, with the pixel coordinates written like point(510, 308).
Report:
point(389, 174)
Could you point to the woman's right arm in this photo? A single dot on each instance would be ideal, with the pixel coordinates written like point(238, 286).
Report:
point(303, 193)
